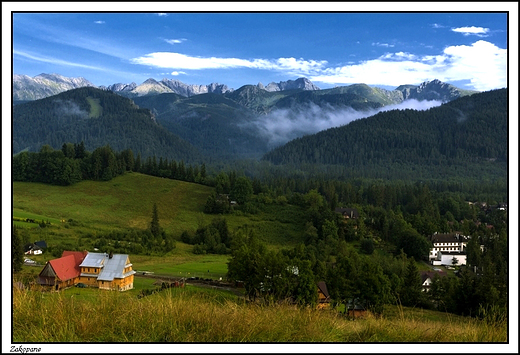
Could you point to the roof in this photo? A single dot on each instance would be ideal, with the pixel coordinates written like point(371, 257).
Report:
point(114, 268)
point(323, 288)
point(448, 238)
point(355, 304)
point(65, 267)
point(94, 260)
point(41, 243)
point(431, 274)
point(31, 246)
point(78, 255)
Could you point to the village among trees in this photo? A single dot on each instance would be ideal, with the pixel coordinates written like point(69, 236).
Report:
point(363, 241)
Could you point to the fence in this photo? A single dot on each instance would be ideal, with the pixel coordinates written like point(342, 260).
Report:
point(186, 275)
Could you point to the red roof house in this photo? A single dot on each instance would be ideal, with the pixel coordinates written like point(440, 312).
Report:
point(62, 272)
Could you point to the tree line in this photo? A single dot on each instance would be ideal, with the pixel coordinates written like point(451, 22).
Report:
point(73, 163)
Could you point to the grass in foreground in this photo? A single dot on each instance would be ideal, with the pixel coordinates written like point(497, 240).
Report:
point(190, 315)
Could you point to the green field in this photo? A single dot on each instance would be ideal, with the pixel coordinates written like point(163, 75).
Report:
point(81, 212)
point(124, 202)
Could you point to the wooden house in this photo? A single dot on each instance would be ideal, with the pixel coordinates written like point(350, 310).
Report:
point(323, 295)
point(62, 272)
point(110, 272)
point(355, 309)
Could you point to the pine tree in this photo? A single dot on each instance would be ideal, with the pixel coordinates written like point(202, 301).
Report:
point(411, 294)
point(155, 228)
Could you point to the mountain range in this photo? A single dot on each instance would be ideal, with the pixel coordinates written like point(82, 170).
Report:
point(27, 88)
point(258, 122)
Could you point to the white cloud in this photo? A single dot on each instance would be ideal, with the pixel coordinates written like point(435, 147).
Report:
point(54, 60)
point(283, 125)
point(181, 61)
point(382, 44)
point(482, 63)
point(467, 31)
point(175, 73)
point(99, 22)
point(161, 14)
point(175, 41)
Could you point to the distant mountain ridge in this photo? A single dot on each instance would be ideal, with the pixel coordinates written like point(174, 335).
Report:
point(300, 83)
point(26, 88)
point(154, 87)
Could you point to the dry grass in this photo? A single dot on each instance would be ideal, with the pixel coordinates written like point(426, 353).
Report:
point(181, 315)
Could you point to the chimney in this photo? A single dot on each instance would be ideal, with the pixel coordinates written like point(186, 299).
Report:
point(110, 255)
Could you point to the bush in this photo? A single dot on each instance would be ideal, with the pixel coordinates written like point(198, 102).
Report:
point(199, 249)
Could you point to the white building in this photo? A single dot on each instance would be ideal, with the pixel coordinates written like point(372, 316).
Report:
point(446, 259)
point(448, 243)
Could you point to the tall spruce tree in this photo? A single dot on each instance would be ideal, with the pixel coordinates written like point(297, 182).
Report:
point(155, 228)
point(411, 293)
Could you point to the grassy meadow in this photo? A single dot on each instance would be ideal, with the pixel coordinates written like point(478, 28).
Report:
point(191, 314)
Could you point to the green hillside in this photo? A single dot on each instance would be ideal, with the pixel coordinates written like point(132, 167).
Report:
point(97, 118)
point(211, 122)
point(468, 132)
point(91, 208)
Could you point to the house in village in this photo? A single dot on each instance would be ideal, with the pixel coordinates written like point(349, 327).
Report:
point(323, 295)
point(32, 249)
point(35, 248)
point(427, 278)
point(355, 309)
point(62, 272)
point(448, 249)
point(110, 272)
point(42, 244)
point(347, 213)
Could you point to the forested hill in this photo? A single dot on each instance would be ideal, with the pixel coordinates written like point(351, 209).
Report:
point(96, 117)
point(471, 128)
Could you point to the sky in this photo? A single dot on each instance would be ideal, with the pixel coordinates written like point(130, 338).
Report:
point(331, 49)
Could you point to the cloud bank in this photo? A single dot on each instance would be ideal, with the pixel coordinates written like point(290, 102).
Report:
point(282, 125)
point(482, 63)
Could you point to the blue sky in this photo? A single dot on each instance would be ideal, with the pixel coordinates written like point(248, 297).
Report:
point(331, 49)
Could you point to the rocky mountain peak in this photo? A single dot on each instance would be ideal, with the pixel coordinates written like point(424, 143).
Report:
point(430, 90)
point(300, 83)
